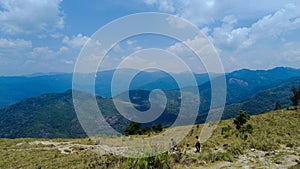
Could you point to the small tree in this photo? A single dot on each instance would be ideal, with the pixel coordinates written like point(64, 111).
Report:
point(277, 105)
point(241, 119)
point(158, 128)
point(296, 96)
point(240, 122)
point(133, 129)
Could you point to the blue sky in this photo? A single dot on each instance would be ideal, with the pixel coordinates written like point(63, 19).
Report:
point(47, 35)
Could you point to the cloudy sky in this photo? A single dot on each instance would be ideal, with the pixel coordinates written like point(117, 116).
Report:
point(47, 35)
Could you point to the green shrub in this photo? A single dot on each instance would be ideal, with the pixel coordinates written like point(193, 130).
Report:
point(236, 150)
point(162, 161)
point(219, 156)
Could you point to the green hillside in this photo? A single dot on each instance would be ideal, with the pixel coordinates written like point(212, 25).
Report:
point(50, 116)
point(265, 100)
point(274, 143)
point(53, 115)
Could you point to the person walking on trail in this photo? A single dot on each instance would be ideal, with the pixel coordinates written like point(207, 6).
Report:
point(197, 145)
point(186, 148)
point(173, 144)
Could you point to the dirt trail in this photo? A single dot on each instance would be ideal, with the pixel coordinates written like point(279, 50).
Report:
point(277, 159)
point(65, 147)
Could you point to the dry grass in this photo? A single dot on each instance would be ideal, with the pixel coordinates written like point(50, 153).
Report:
point(271, 131)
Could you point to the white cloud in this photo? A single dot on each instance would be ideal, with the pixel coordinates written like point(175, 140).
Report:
point(30, 16)
point(229, 38)
point(76, 41)
point(162, 5)
point(291, 53)
point(132, 45)
point(199, 44)
point(153, 59)
point(198, 53)
point(68, 62)
point(261, 45)
point(284, 20)
point(270, 27)
point(15, 44)
point(131, 42)
point(208, 11)
point(150, 2)
point(117, 48)
point(56, 35)
point(166, 5)
point(44, 59)
point(197, 12)
point(177, 22)
point(19, 57)
point(43, 52)
point(11, 48)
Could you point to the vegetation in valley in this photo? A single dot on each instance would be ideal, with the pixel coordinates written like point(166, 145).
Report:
point(269, 139)
point(136, 129)
point(53, 115)
point(271, 132)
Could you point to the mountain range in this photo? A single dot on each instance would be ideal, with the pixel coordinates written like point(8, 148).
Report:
point(16, 88)
point(52, 114)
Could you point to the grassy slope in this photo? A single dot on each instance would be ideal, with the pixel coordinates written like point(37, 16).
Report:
point(274, 130)
point(271, 131)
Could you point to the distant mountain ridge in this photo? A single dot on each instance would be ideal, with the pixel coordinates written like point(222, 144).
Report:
point(53, 115)
point(16, 88)
point(264, 100)
point(254, 81)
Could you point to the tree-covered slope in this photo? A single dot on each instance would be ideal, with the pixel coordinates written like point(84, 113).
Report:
point(53, 115)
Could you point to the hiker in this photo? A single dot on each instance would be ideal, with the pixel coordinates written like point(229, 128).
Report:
point(197, 145)
point(173, 145)
point(186, 148)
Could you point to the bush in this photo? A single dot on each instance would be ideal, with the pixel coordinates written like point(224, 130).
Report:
point(226, 131)
point(296, 96)
point(219, 156)
point(159, 161)
point(265, 146)
point(236, 150)
point(158, 128)
point(133, 129)
point(241, 119)
point(249, 128)
point(136, 129)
